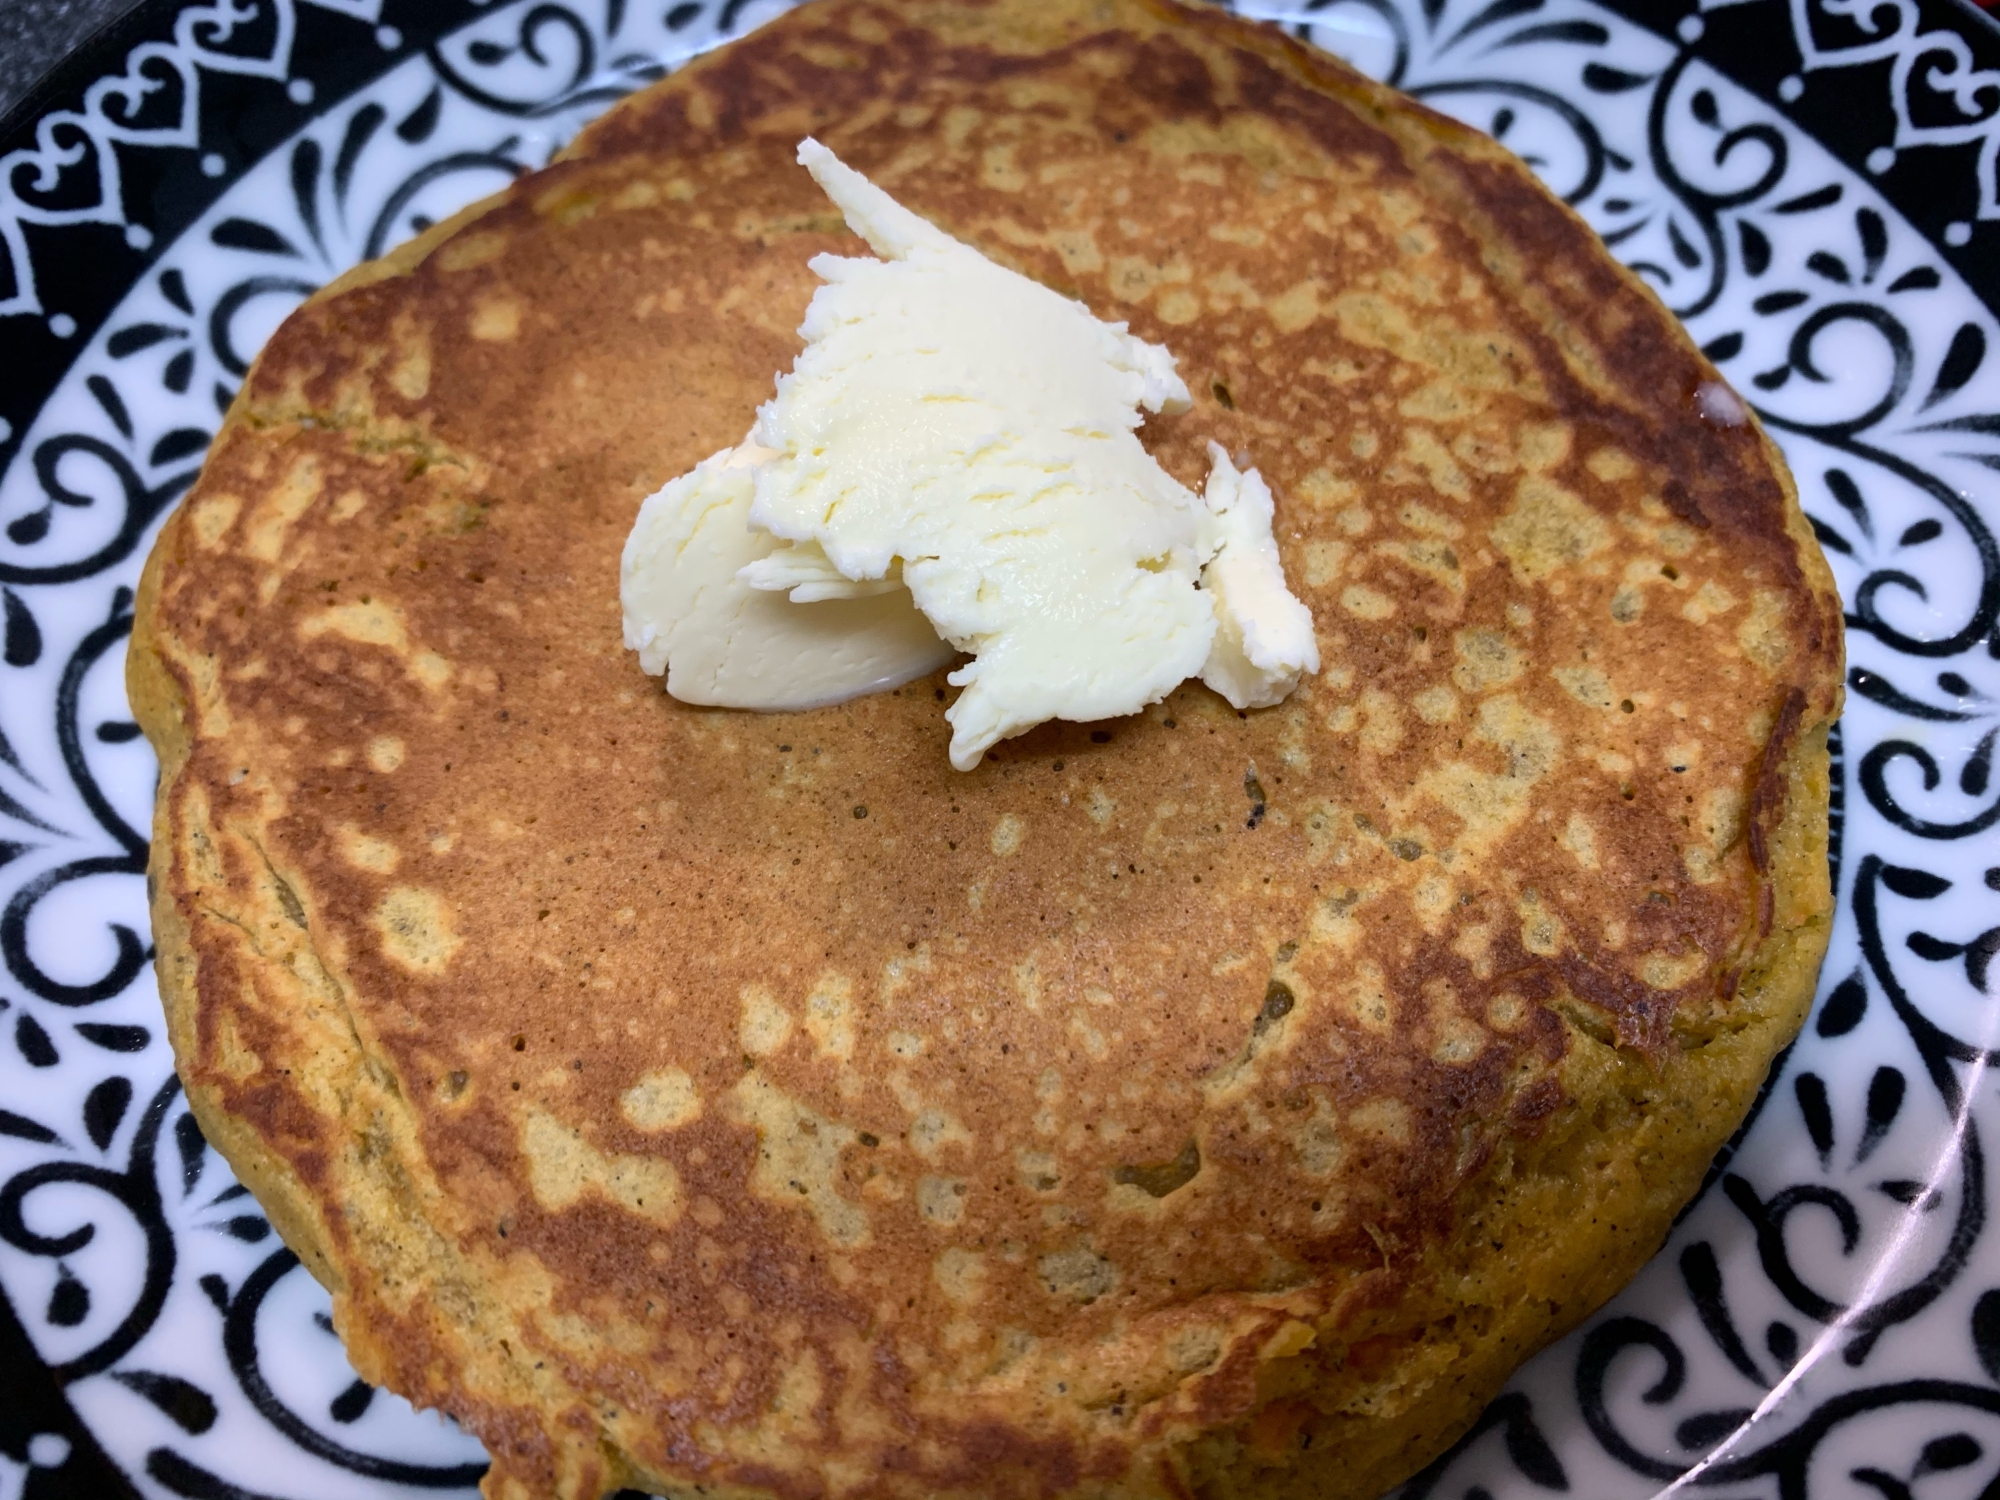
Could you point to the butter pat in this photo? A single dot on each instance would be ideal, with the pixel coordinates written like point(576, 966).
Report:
point(1264, 636)
point(957, 444)
point(725, 644)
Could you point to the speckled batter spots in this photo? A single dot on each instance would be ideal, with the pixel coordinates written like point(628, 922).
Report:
point(1324, 561)
point(430, 669)
point(1039, 1170)
point(1382, 722)
point(1459, 1041)
point(416, 929)
point(365, 852)
point(830, 1016)
point(933, 1130)
point(798, 1158)
point(1580, 840)
point(373, 622)
point(1668, 971)
point(1543, 446)
point(1710, 600)
point(1079, 1274)
point(1718, 827)
point(1611, 465)
point(1008, 832)
point(941, 1200)
point(496, 320)
point(410, 375)
point(470, 251)
point(1385, 1119)
point(1764, 635)
point(1485, 661)
point(1542, 931)
point(1436, 705)
point(1368, 998)
point(271, 521)
point(766, 1025)
point(1316, 1139)
point(1492, 803)
point(1295, 308)
point(665, 1100)
point(563, 1167)
point(212, 516)
point(1587, 685)
point(960, 1275)
point(1548, 529)
point(1365, 603)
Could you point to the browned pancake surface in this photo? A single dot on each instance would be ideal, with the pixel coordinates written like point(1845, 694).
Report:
point(1196, 1101)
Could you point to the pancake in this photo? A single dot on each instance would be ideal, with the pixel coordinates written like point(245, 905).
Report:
point(1198, 1103)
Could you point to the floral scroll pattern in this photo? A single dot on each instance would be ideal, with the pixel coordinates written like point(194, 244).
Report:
point(1825, 1320)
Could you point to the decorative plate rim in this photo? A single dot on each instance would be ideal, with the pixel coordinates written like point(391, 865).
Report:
point(1929, 172)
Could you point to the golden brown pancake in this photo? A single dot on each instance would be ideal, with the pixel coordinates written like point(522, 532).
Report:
point(1194, 1104)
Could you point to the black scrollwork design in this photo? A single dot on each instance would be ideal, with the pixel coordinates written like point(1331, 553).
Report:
point(530, 42)
point(1902, 360)
point(135, 1189)
point(1706, 206)
point(1939, 1048)
point(1788, 1458)
point(239, 1342)
point(1844, 435)
point(222, 316)
point(142, 504)
point(1526, 1445)
point(1865, 1324)
point(1704, 190)
point(500, 159)
point(1875, 786)
point(130, 860)
point(1580, 125)
point(1601, 1348)
point(1305, 19)
point(1865, 613)
point(1859, 1325)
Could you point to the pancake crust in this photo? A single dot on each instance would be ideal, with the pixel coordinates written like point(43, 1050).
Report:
point(1193, 1104)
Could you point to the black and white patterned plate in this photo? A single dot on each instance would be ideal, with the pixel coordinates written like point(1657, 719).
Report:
point(1813, 185)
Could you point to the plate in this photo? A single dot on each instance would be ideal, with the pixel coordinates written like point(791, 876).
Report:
point(1812, 185)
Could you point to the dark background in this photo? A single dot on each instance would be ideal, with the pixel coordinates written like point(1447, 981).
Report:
point(34, 35)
